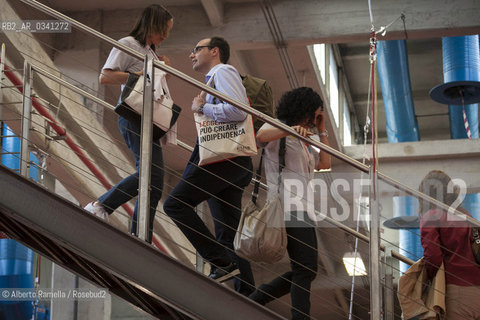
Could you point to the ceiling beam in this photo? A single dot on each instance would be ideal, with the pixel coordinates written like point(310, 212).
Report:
point(214, 10)
point(418, 95)
point(318, 21)
point(303, 22)
point(421, 150)
point(361, 50)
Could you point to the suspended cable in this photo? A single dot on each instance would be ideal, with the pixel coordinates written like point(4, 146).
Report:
point(465, 119)
point(279, 42)
point(370, 12)
point(314, 295)
point(372, 24)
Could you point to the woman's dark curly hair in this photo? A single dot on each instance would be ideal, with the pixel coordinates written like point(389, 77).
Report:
point(298, 105)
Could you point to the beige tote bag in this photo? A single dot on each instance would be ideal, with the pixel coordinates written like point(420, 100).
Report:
point(219, 141)
point(261, 234)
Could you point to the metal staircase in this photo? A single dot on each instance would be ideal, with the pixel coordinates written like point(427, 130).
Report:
point(109, 258)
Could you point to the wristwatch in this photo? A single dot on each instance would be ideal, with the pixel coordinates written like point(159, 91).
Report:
point(324, 133)
point(200, 109)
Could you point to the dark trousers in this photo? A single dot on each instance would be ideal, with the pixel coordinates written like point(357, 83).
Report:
point(126, 189)
point(302, 249)
point(226, 219)
point(221, 184)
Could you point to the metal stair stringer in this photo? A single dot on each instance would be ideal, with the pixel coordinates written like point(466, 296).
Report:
point(110, 258)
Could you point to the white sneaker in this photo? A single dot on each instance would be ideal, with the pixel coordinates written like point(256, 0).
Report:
point(97, 210)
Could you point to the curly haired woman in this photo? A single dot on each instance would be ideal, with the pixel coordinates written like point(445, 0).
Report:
point(301, 109)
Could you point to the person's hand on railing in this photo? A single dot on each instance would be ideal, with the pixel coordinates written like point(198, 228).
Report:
point(303, 131)
point(165, 59)
point(167, 62)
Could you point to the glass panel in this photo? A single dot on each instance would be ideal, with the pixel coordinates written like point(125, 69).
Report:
point(347, 132)
point(333, 88)
point(319, 51)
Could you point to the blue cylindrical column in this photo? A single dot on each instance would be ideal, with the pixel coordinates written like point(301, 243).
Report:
point(472, 204)
point(16, 260)
point(457, 127)
point(392, 63)
point(461, 62)
point(409, 240)
point(16, 272)
point(10, 147)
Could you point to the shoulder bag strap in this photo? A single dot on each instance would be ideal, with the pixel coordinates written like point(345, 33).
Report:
point(258, 177)
point(211, 83)
point(281, 160)
point(281, 165)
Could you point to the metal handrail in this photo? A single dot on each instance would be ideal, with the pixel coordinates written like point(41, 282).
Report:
point(275, 122)
point(101, 102)
point(196, 83)
point(187, 147)
point(61, 132)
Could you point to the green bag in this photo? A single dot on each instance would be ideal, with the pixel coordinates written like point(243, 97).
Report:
point(260, 96)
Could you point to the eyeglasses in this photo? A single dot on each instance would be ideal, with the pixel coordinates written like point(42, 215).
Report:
point(198, 48)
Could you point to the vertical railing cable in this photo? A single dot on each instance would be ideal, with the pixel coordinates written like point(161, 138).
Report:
point(26, 118)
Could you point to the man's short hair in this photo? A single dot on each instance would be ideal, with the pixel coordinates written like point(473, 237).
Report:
point(223, 48)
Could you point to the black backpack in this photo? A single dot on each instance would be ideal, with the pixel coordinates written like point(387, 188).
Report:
point(260, 97)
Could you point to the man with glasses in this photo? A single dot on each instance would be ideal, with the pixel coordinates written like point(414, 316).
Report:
point(221, 183)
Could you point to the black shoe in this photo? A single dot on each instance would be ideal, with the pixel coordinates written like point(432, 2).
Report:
point(221, 274)
point(258, 297)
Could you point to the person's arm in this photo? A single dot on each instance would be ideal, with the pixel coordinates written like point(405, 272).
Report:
point(114, 72)
point(109, 76)
point(228, 82)
point(324, 159)
point(269, 133)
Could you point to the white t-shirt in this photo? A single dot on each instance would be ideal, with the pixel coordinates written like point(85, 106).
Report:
point(300, 161)
point(121, 61)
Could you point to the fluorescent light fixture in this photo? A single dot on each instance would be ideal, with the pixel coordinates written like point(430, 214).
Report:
point(354, 264)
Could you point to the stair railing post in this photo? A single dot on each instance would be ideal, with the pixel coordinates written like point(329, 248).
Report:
point(143, 214)
point(26, 118)
point(374, 274)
